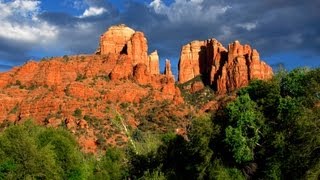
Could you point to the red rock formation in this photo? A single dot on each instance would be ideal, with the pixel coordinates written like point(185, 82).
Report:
point(123, 69)
point(122, 40)
point(167, 70)
point(154, 63)
point(196, 86)
point(225, 70)
point(134, 62)
point(115, 39)
point(197, 58)
point(141, 74)
point(63, 84)
point(138, 49)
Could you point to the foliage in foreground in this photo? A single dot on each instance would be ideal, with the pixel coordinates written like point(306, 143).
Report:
point(28, 151)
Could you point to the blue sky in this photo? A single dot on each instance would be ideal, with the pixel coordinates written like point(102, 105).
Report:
point(284, 31)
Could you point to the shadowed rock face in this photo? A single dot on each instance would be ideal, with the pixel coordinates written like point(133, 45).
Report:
point(224, 69)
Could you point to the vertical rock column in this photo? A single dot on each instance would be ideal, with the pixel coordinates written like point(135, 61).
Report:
point(167, 70)
point(154, 63)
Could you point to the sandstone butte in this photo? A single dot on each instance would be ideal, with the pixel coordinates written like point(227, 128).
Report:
point(120, 73)
point(122, 54)
point(224, 69)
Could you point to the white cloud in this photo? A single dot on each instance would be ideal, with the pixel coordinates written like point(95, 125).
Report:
point(41, 33)
point(188, 11)
point(19, 22)
point(197, 1)
point(21, 7)
point(248, 26)
point(93, 11)
point(158, 6)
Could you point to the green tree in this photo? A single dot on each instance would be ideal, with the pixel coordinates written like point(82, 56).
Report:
point(290, 137)
point(33, 152)
point(110, 166)
point(294, 83)
point(242, 134)
point(67, 153)
point(22, 158)
point(266, 94)
point(189, 157)
point(219, 172)
point(154, 175)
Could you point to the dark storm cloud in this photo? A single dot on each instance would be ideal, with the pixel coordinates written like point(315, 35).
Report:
point(271, 26)
point(281, 26)
point(13, 52)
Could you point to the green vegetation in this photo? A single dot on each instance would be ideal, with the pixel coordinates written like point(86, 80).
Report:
point(32, 152)
point(44, 59)
point(82, 58)
point(270, 131)
point(15, 109)
point(18, 83)
point(81, 77)
point(65, 58)
point(243, 133)
point(198, 98)
point(77, 113)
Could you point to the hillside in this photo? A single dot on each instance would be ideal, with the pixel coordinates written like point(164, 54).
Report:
point(84, 92)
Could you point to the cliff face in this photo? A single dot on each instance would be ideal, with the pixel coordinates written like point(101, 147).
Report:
point(224, 69)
